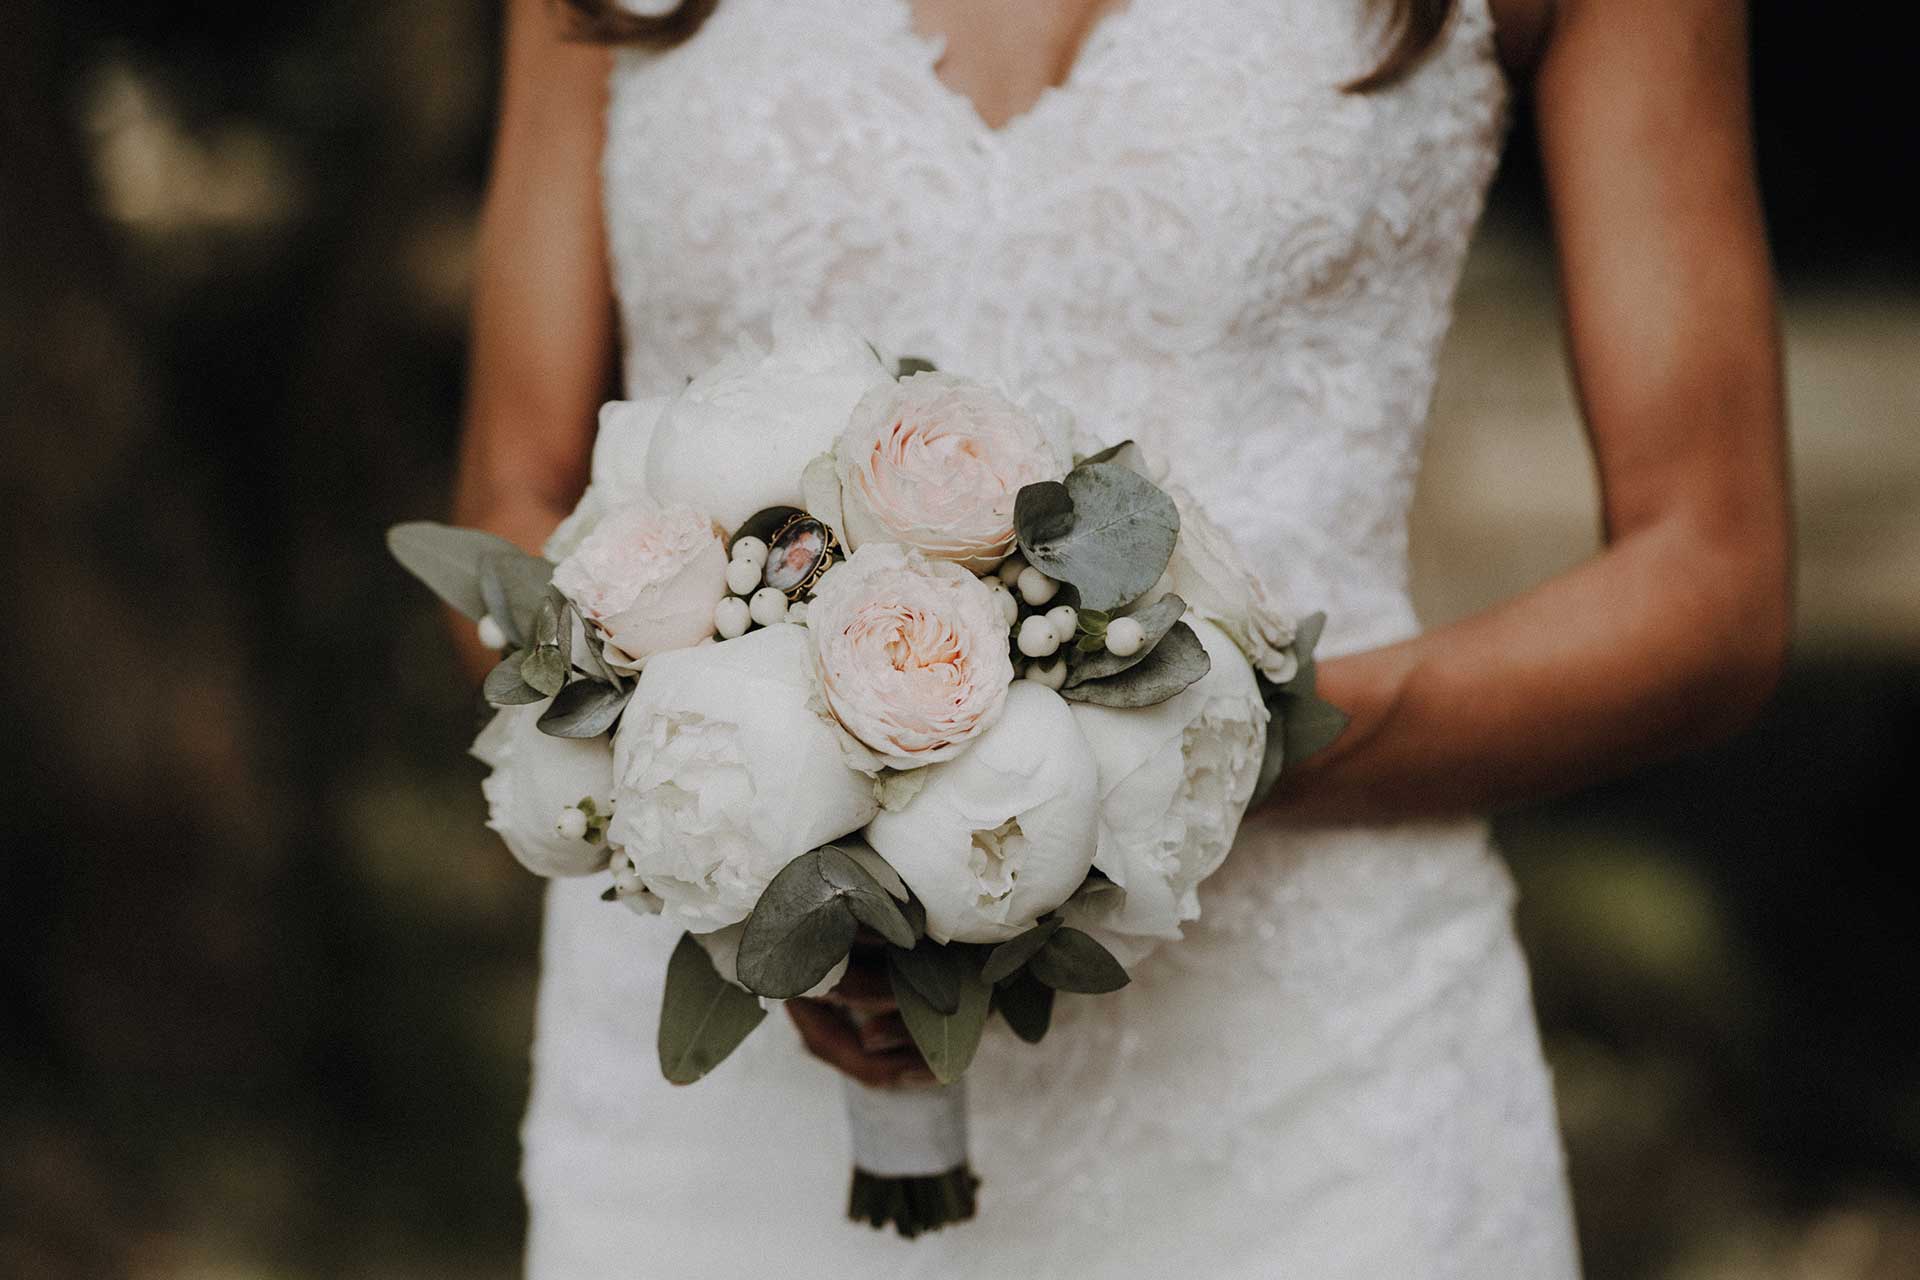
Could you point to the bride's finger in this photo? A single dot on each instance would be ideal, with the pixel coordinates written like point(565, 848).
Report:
point(865, 988)
point(830, 1037)
point(883, 1033)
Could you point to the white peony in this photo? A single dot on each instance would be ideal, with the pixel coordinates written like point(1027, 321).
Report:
point(934, 462)
point(618, 472)
point(1209, 573)
point(912, 653)
point(724, 772)
point(1174, 783)
point(648, 579)
point(736, 440)
point(535, 780)
point(999, 837)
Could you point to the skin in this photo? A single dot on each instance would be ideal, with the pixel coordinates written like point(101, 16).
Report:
point(1673, 635)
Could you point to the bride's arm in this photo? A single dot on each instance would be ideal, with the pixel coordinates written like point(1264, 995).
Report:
point(542, 324)
point(1676, 632)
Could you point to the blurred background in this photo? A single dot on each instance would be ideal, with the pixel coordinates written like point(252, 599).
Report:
point(265, 981)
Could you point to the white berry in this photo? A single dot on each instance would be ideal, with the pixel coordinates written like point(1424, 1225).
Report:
point(768, 606)
point(1009, 570)
point(1065, 620)
point(1009, 607)
point(1036, 588)
point(1051, 674)
point(571, 824)
point(743, 577)
point(490, 633)
point(797, 613)
point(625, 879)
point(1037, 639)
point(1124, 637)
point(752, 550)
point(731, 618)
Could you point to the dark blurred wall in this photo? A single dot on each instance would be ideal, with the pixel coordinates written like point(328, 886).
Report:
point(266, 982)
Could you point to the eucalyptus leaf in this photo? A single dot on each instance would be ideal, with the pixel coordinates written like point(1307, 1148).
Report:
point(876, 866)
point(703, 1017)
point(1009, 956)
point(448, 560)
point(1073, 961)
point(1107, 531)
point(1156, 620)
point(801, 927)
point(930, 969)
point(584, 709)
point(1306, 639)
point(873, 905)
point(1175, 663)
point(1310, 723)
point(505, 688)
point(1274, 758)
point(946, 1041)
point(907, 366)
point(1027, 1005)
point(514, 584)
point(545, 670)
point(587, 656)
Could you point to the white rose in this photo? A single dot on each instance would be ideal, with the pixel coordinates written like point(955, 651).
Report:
point(648, 578)
point(535, 779)
point(999, 837)
point(736, 440)
point(912, 653)
point(1175, 779)
point(934, 462)
point(618, 472)
point(724, 773)
point(1209, 573)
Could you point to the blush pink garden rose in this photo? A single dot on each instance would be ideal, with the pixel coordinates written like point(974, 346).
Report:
point(911, 653)
point(934, 462)
point(648, 578)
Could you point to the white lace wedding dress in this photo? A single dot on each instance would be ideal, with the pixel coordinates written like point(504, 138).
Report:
point(1201, 242)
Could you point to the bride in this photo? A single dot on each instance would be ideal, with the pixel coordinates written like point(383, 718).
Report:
point(1230, 229)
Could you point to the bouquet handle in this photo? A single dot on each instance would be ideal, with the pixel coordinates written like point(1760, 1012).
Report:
point(910, 1166)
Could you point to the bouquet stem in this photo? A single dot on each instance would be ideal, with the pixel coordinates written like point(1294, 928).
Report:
point(910, 1166)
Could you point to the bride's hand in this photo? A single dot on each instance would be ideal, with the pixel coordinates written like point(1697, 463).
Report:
point(856, 1028)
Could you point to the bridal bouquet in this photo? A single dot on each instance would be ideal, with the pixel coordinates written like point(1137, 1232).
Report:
point(841, 657)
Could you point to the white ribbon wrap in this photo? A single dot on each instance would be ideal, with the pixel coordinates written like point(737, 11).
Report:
point(907, 1132)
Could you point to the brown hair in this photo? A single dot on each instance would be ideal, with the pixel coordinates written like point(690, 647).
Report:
point(1413, 27)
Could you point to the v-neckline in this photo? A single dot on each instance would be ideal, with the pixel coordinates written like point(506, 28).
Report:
point(1100, 33)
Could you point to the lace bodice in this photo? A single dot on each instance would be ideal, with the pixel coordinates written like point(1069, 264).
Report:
point(1198, 241)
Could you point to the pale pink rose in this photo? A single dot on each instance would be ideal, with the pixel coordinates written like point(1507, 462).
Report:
point(912, 653)
point(934, 462)
point(647, 578)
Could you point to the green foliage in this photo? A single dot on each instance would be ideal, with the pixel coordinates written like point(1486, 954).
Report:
point(806, 919)
point(946, 1040)
point(703, 1017)
point(503, 686)
point(1027, 1005)
point(1107, 531)
point(934, 971)
point(1303, 722)
point(584, 709)
point(1007, 958)
point(1072, 961)
point(1177, 661)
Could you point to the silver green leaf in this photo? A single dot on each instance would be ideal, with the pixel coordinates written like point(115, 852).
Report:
point(1156, 620)
point(876, 866)
point(448, 560)
point(1073, 961)
point(946, 1040)
point(1107, 531)
point(549, 661)
point(584, 709)
point(1176, 662)
point(513, 584)
point(1027, 1005)
point(1007, 958)
point(703, 1017)
point(806, 919)
point(873, 905)
point(932, 970)
point(505, 688)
